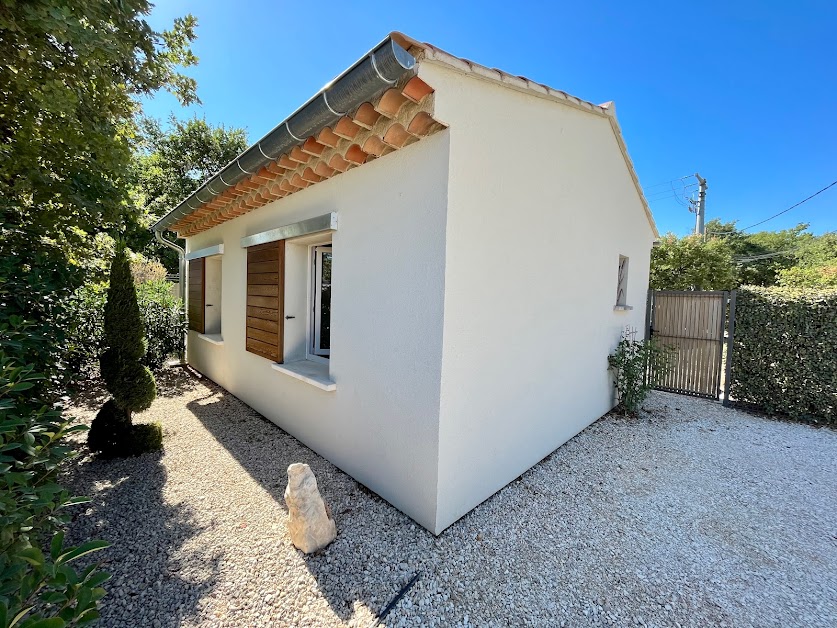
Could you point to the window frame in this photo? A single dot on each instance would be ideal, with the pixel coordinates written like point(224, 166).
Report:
point(622, 281)
point(316, 251)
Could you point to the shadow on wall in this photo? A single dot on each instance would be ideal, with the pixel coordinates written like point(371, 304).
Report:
point(150, 582)
point(375, 544)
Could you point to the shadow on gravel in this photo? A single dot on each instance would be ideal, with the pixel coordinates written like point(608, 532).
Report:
point(149, 584)
point(357, 565)
point(171, 382)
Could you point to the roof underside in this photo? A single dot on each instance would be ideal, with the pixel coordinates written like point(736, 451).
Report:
point(382, 114)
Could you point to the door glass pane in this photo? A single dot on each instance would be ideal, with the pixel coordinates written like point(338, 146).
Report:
point(325, 302)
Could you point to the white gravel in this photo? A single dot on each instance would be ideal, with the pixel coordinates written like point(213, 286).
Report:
point(692, 515)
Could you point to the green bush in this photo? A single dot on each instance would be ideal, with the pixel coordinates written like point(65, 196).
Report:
point(163, 320)
point(38, 584)
point(113, 436)
point(147, 437)
point(784, 352)
point(630, 364)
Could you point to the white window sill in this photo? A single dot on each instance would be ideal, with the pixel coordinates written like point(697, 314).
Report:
point(308, 371)
point(622, 308)
point(215, 339)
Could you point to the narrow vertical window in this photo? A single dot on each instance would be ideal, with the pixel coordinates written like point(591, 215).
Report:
point(197, 288)
point(212, 295)
point(622, 284)
point(320, 344)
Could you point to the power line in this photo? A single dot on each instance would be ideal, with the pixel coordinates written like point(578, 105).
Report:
point(680, 190)
point(666, 194)
point(661, 198)
point(648, 187)
point(784, 211)
point(755, 258)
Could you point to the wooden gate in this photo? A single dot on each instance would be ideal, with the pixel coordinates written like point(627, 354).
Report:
point(694, 323)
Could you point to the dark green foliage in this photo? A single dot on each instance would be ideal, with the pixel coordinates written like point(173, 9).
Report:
point(816, 265)
point(113, 436)
point(630, 365)
point(36, 584)
point(130, 382)
point(123, 330)
point(165, 324)
point(108, 429)
point(126, 378)
point(36, 284)
point(71, 75)
point(784, 352)
point(759, 248)
point(163, 319)
point(147, 437)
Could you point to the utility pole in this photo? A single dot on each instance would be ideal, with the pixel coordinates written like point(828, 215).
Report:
point(701, 208)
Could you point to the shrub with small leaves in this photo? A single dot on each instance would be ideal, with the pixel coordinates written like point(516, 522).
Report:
point(630, 365)
point(784, 351)
point(129, 381)
point(37, 587)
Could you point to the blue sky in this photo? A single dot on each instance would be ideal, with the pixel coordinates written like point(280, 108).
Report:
point(743, 92)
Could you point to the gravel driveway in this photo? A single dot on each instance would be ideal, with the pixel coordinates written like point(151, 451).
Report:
point(692, 515)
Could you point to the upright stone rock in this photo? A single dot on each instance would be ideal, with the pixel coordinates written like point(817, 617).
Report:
point(309, 519)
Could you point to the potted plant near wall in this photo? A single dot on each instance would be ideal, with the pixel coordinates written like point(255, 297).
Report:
point(130, 383)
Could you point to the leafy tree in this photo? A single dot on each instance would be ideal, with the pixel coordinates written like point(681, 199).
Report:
point(790, 257)
point(169, 164)
point(809, 276)
point(690, 263)
point(816, 264)
point(129, 382)
point(71, 75)
point(818, 251)
point(763, 255)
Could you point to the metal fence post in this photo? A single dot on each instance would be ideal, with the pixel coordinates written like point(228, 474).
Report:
point(730, 335)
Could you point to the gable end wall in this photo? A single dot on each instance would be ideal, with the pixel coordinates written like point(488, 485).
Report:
point(541, 205)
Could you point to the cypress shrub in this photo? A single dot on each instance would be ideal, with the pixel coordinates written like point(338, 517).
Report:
point(163, 318)
point(129, 382)
point(784, 352)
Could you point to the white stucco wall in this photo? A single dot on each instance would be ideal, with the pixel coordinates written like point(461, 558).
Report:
point(541, 205)
point(381, 423)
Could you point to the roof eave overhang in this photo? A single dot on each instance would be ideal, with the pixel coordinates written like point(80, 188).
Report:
point(382, 67)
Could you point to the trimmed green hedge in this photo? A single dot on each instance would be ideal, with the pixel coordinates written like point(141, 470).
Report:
point(785, 352)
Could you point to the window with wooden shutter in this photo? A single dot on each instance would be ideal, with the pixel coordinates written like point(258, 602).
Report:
point(265, 296)
point(197, 293)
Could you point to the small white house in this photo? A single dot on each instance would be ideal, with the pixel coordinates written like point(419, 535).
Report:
point(420, 274)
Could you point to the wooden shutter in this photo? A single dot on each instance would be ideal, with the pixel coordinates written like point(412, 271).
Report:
point(197, 294)
point(265, 299)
